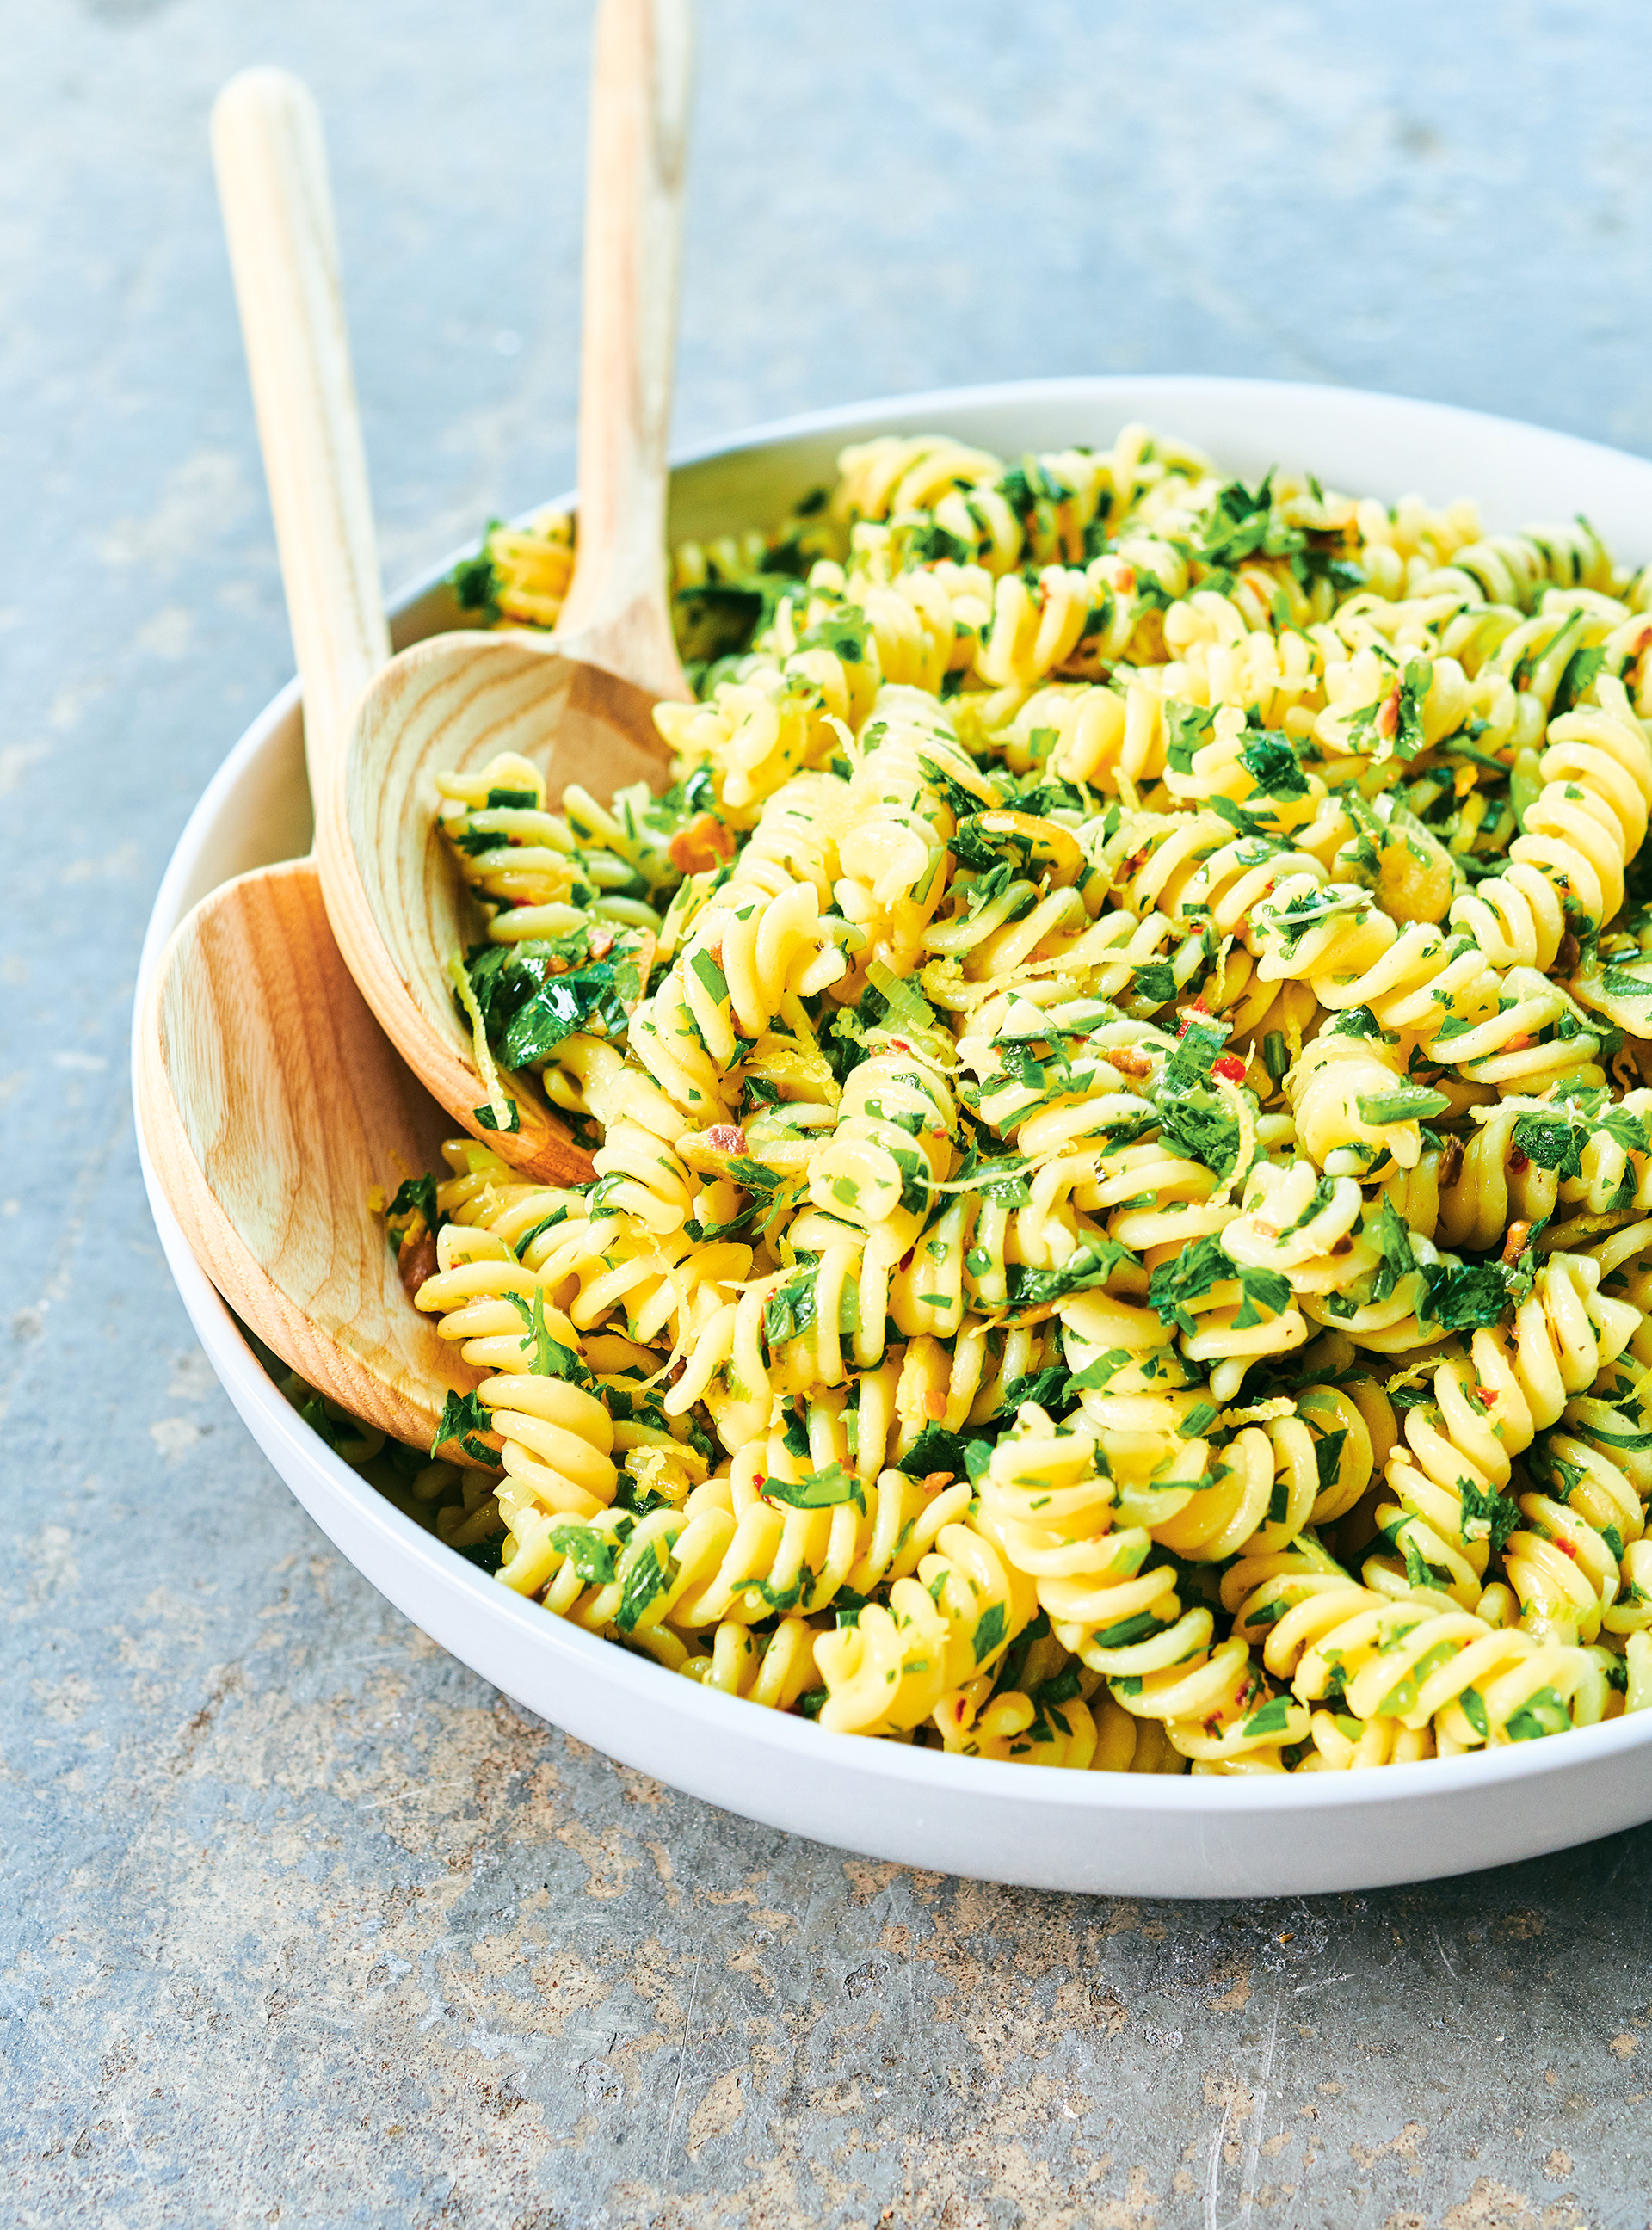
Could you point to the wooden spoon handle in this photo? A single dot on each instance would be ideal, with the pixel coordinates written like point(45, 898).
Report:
point(272, 170)
point(618, 614)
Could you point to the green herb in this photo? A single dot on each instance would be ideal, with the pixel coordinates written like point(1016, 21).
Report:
point(845, 636)
point(1128, 1630)
point(1544, 1713)
point(1552, 1141)
point(474, 581)
point(1273, 1719)
point(1315, 564)
point(1265, 1294)
point(552, 1358)
point(537, 1230)
point(531, 997)
point(1243, 523)
point(990, 1632)
point(1188, 728)
point(1272, 763)
point(1191, 1062)
point(646, 1579)
point(1391, 1234)
point(1407, 698)
point(1407, 1103)
point(962, 802)
point(1046, 1388)
point(593, 1555)
point(1327, 1458)
point(822, 1490)
point(1462, 1299)
point(1189, 1276)
point(1089, 1265)
point(1155, 981)
point(935, 1449)
point(1195, 1117)
point(1577, 677)
point(464, 1415)
point(789, 1310)
point(488, 1119)
point(712, 977)
point(414, 1196)
point(928, 544)
point(1501, 1512)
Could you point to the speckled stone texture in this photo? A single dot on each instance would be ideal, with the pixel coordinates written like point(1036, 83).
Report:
point(303, 1924)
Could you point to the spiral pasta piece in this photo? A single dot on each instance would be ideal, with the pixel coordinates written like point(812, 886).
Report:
point(1586, 822)
point(1393, 1667)
point(890, 1671)
point(1449, 1483)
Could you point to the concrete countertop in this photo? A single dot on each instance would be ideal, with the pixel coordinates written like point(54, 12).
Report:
point(303, 1924)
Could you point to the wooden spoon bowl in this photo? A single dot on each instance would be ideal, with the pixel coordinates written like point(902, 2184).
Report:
point(267, 1093)
point(400, 908)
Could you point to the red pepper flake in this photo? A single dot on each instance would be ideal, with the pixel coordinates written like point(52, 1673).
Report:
point(1518, 1043)
point(1230, 1066)
point(1344, 1246)
point(1517, 1160)
point(1485, 1395)
point(725, 1138)
point(1388, 718)
point(1565, 1547)
point(1125, 578)
point(905, 1259)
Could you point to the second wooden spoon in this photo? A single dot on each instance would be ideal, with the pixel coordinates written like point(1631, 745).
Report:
point(579, 704)
point(269, 1100)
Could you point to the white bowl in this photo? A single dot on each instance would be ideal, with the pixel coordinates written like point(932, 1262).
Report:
point(1115, 1833)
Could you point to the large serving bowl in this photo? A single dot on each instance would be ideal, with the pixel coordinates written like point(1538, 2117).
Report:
point(1188, 1836)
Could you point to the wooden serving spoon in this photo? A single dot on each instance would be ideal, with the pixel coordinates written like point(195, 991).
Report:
point(269, 1100)
point(579, 704)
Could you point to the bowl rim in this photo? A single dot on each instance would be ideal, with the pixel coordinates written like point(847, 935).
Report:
point(782, 1735)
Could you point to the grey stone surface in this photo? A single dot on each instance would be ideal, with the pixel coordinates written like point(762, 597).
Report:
point(302, 1923)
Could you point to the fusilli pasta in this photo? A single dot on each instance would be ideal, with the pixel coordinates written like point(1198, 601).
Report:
point(1120, 1078)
